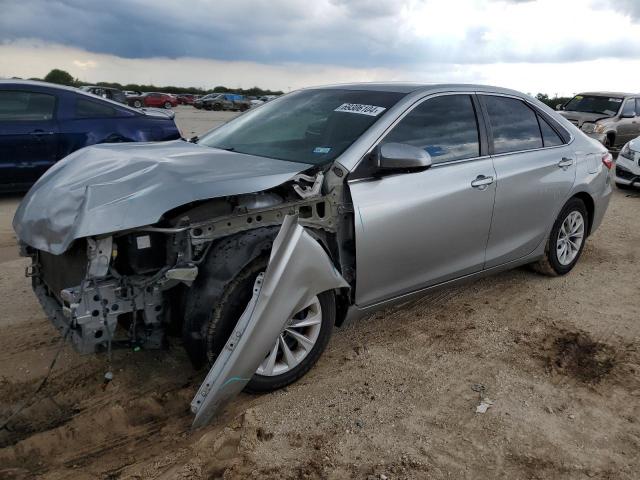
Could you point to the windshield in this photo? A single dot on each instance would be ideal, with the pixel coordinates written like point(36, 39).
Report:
point(308, 126)
point(594, 104)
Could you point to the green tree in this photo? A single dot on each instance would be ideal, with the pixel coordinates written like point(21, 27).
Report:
point(60, 77)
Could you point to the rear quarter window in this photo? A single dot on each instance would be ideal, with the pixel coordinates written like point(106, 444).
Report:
point(514, 125)
point(85, 108)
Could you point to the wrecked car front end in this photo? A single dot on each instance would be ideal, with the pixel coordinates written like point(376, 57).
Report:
point(120, 288)
point(129, 242)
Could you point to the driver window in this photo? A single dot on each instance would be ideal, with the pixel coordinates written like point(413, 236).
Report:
point(629, 107)
point(445, 127)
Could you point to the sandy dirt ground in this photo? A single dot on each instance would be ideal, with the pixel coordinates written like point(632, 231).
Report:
point(394, 396)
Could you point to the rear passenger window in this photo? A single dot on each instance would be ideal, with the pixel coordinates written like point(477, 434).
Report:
point(549, 135)
point(514, 125)
point(637, 106)
point(89, 109)
point(18, 105)
point(445, 127)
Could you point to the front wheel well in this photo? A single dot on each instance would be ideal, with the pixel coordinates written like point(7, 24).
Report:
point(590, 205)
point(611, 137)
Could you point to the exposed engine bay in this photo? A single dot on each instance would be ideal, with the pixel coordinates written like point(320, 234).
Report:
point(125, 289)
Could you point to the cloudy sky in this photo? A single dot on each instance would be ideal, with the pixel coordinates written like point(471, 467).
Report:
point(552, 46)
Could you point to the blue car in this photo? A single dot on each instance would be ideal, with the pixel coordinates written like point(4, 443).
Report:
point(41, 123)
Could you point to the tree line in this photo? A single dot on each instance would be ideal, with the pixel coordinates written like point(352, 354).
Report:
point(65, 78)
point(62, 77)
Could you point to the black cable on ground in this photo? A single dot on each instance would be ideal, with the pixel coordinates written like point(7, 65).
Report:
point(25, 404)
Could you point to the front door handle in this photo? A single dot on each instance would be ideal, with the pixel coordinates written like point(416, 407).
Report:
point(481, 182)
point(565, 163)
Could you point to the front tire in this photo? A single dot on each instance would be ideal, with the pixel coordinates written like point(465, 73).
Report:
point(218, 298)
point(137, 104)
point(217, 107)
point(566, 240)
point(167, 104)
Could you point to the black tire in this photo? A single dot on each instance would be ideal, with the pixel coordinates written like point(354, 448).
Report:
point(549, 264)
point(217, 107)
point(167, 104)
point(207, 106)
point(609, 141)
point(137, 104)
point(219, 296)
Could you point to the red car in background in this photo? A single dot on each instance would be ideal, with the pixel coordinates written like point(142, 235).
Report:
point(152, 99)
point(186, 98)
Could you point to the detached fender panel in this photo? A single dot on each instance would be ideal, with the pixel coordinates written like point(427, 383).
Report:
point(298, 270)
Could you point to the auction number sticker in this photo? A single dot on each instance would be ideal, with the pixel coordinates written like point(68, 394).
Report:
point(360, 108)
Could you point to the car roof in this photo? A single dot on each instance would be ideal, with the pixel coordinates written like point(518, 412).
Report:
point(609, 94)
point(54, 86)
point(405, 87)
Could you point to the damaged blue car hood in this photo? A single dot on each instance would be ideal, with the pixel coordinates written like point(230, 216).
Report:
point(111, 187)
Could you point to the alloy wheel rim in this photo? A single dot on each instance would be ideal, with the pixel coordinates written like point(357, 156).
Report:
point(570, 238)
point(295, 342)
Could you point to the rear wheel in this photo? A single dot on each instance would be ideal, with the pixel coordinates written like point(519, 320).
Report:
point(217, 107)
point(167, 104)
point(566, 241)
point(137, 104)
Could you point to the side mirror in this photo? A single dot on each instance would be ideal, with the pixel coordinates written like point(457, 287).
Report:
point(628, 115)
point(400, 156)
point(559, 107)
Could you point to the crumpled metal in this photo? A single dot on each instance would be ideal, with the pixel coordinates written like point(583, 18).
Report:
point(112, 187)
point(298, 270)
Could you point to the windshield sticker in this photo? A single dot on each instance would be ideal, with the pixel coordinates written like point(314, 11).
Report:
point(322, 150)
point(615, 100)
point(370, 110)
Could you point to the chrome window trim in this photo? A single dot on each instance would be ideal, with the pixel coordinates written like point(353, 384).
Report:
point(408, 110)
point(535, 108)
point(428, 96)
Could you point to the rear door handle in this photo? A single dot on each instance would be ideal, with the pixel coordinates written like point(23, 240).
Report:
point(565, 162)
point(481, 182)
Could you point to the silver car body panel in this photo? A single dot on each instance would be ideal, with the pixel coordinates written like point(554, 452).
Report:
point(519, 224)
point(436, 233)
point(113, 187)
point(298, 270)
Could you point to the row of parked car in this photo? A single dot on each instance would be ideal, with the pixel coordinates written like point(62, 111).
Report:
point(213, 101)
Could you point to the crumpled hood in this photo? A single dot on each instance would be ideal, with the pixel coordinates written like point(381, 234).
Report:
point(578, 118)
point(111, 187)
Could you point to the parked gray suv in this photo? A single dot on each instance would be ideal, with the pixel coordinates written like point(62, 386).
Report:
point(611, 118)
point(322, 205)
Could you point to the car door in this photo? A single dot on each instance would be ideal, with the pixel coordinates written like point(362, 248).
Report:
point(535, 171)
point(418, 229)
point(28, 135)
point(628, 124)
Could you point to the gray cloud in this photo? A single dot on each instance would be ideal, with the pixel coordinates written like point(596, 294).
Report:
point(629, 7)
point(358, 33)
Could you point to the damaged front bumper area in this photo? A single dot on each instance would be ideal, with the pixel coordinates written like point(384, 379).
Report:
point(78, 294)
point(118, 289)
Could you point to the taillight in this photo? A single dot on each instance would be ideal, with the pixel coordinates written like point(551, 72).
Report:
point(607, 160)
